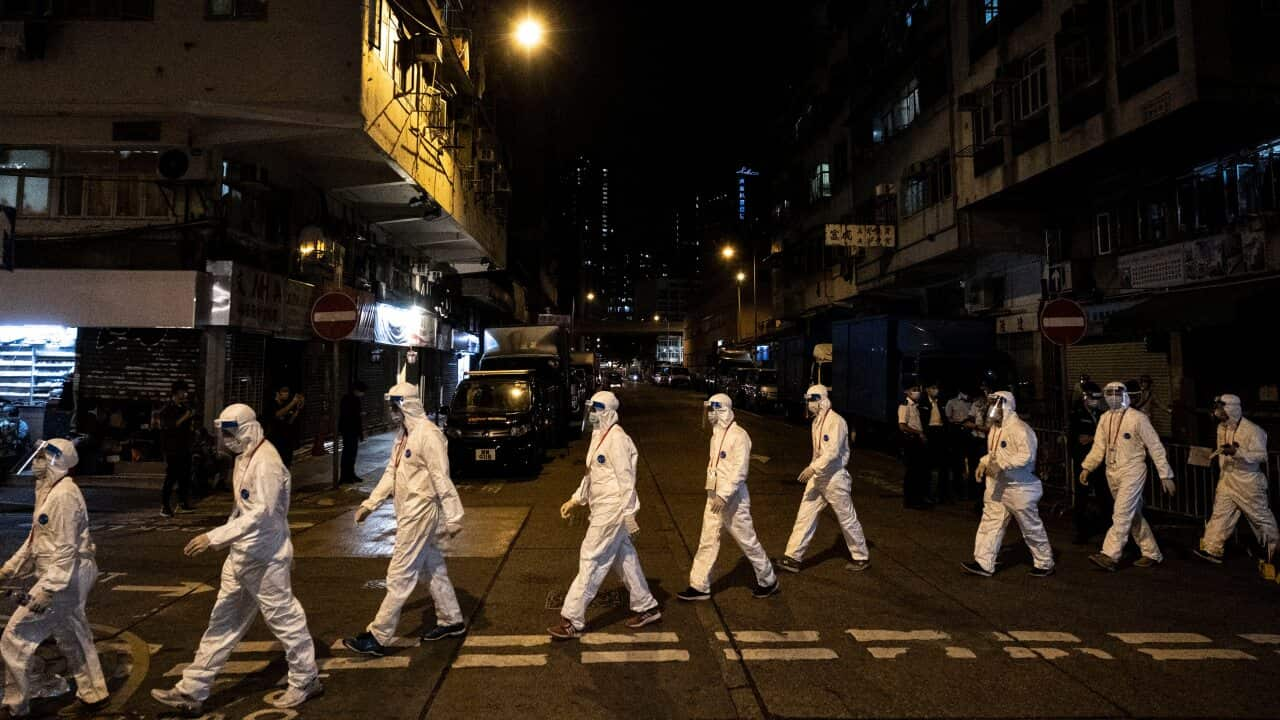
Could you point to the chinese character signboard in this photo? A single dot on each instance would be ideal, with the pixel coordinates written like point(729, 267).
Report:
point(861, 235)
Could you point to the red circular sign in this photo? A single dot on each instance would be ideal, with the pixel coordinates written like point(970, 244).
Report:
point(334, 316)
point(1063, 322)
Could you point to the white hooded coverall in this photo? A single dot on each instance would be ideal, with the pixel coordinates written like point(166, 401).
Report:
point(256, 574)
point(830, 485)
point(727, 470)
point(62, 554)
point(426, 501)
point(609, 488)
point(1013, 490)
point(1124, 438)
point(1242, 488)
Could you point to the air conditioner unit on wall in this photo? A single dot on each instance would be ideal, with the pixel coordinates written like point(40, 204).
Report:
point(486, 155)
point(425, 49)
point(183, 164)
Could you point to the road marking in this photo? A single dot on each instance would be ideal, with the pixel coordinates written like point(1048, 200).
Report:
point(506, 640)
point(1035, 636)
point(622, 639)
point(399, 642)
point(479, 660)
point(233, 667)
point(1196, 654)
point(1160, 638)
point(785, 654)
point(627, 656)
point(1048, 653)
point(862, 635)
point(259, 646)
point(960, 653)
point(765, 636)
point(762, 459)
point(1095, 652)
point(1019, 653)
point(886, 653)
point(1262, 638)
point(167, 591)
point(363, 663)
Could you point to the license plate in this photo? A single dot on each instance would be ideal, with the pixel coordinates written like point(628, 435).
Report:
point(486, 454)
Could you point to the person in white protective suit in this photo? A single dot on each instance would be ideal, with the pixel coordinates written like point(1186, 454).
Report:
point(60, 553)
point(256, 574)
point(427, 509)
point(1123, 440)
point(1012, 490)
point(728, 506)
point(1242, 487)
point(609, 489)
point(827, 483)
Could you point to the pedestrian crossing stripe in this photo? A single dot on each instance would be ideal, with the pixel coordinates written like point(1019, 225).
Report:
point(482, 660)
point(1169, 638)
point(766, 636)
point(1036, 636)
point(399, 643)
point(620, 639)
point(864, 635)
point(1262, 638)
point(1163, 654)
point(785, 654)
point(634, 656)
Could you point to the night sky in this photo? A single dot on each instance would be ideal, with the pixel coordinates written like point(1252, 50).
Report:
point(673, 96)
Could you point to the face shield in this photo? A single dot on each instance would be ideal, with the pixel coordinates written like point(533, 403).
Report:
point(1226, 408)
point(595, 412)
point(1117, 396)
point(229, 436)
point(995, 408)
point(395, 407)
point(719, 410)
point(813, 403)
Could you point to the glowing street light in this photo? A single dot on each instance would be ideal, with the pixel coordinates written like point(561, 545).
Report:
point(656, 317)
point(727, 252)
point(741, 276)
point(591, 296)
point(530, 33)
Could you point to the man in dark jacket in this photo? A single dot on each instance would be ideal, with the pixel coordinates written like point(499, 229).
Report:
point(351, 427)
point(175, 442)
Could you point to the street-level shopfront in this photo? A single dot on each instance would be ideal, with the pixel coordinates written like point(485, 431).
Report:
point(233, 334)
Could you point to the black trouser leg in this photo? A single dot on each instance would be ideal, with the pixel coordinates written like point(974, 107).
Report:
point(915, 481)
point(937, 454)
point(350, 447)
point(177, 473)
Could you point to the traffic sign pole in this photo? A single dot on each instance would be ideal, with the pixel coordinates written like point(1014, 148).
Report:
point(334, 317)
point(1064, 323)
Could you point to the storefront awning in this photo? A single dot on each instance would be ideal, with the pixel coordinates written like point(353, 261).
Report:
point(104, 298)
point(1199, 307)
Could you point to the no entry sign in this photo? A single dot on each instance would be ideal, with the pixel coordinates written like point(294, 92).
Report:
point(334, 316)
point(1063, 322)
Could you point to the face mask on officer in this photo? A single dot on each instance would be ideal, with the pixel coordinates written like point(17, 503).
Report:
point(597, 409)
point(1226, 408)
point(395, 406)
point(813, 403)
point(914, 394)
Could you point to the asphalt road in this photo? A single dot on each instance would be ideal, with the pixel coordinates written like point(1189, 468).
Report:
point(911, 637)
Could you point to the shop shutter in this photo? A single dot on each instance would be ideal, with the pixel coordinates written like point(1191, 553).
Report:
point(246, 357)
point(1109, 362)
point(138, 364)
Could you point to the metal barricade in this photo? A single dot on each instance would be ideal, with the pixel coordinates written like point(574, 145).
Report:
point(1053, 467)
point(1196, 485)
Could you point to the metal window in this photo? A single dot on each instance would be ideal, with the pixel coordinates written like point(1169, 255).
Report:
point(1141, 25)
point(1031, 93)
point(990, 11)
point(24, 180)
point(1102, 232)
point(820, 183)
point(236, 9)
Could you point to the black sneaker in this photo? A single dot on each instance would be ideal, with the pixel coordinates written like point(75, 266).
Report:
point(690, 594)
point(1208, 556)
point(639, 620)
point(761, 592)
point(789, 564)
point(974, 568)
point(365, 644)
point(1103, 561)
point(441, 632)
point(858, 565)
point(1040, 572)
point(166, 512)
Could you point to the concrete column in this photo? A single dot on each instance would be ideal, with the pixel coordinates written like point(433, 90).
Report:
point(215, 374)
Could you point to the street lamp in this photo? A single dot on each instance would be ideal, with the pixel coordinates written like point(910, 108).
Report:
point(591, 296)
point(737, 319)
point(530, 33)
point(728, 252)
point(656, 317)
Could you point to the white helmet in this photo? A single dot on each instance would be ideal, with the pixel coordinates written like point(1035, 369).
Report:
point(239, 428)
point(1116, 395)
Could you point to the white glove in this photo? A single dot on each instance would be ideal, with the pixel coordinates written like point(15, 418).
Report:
point(1169, 487)
point(362, 514)
point(6, 574)
point(452, 529)
point(806, 475)
point(717, 504)
point(567, 508)
point(39, 601)
point(981, 474)
point(633, 527)
point(1084, 478)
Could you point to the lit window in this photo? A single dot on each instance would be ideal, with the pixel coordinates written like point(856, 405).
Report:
point(24, 181)
point(111, 183)
point(820, 184)
point(990, 11)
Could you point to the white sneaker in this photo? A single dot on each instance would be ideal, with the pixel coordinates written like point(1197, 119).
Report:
point(175, 699)
point(293, 697)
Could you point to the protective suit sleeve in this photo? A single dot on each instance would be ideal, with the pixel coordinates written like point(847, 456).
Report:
point(1019, 450)
point(1154, 447)
point(17, 563)
point(264, 498)
point(386, 486)
point(582, 495)
point(733, 468)
point(61, 510)
point(827, 462)
point(1101, 441)
point(437, 455)
point(1253, 446)
point(622, 457)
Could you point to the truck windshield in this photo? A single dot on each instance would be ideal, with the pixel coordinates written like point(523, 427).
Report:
point(492, 396)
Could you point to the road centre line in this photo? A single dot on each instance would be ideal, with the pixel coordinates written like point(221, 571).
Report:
point(783, 654)
point(629, 656)
point(481, 660)
point(1171, 638)
point(765, 636)
point(1163, 654)
point(864, 635)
